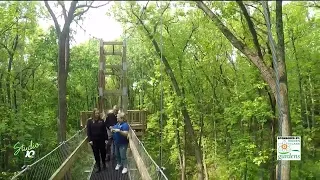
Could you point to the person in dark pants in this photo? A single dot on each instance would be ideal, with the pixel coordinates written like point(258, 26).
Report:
point(111, 120)
point(98, 137)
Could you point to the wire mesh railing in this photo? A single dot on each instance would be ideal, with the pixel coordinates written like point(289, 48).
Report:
point(153, 169)
point(82, 167)
point(48, 164)
point(133, 169)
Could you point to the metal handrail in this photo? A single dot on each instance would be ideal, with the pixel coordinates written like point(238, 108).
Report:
point(158, 168)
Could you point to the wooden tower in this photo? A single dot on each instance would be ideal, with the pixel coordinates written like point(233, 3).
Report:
point(136, 118)
point(119, 69)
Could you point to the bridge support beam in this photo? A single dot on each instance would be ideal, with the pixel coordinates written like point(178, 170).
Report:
point(102, 83)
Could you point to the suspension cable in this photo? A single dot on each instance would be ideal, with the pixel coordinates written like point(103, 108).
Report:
point(161, 87)
point(275, 64)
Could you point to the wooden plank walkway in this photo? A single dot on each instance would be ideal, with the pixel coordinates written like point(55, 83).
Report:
point(110, 173)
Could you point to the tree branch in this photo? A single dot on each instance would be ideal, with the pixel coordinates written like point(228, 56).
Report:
point(164, 60)
point(313, 4)
point(64, 10)
point(144, 10)
point(194, 28)
point(7, 28)
point(80, 13)
point(157, 23)
point(170, 37)
point(227, 33)
point(251, 28)
point(15, 43)
point(265, 71)
point(70, 16)
point(255, 8)
point(30, 67)
point(5, 47)
point(279, 30)
point(56, 24)
point(90, 5)
point(257, 21)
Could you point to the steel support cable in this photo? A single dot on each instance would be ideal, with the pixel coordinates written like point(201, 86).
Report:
point(275, 65)
point(85, 31)
point(161, 95)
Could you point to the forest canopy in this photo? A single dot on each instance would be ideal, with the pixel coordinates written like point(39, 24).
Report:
point(213, 61)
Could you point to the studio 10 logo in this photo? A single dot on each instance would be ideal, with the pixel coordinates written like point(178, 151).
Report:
point(30, 150)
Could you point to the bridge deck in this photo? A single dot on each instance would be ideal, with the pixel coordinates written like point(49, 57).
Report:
point(110, 173)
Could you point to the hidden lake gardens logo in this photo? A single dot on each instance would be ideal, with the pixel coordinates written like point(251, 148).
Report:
point(29, 150)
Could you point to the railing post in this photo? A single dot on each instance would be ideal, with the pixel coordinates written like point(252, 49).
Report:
point(102, 63)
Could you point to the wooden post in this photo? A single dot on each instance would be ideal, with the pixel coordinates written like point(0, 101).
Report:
point(124, 78)
point(102, 63)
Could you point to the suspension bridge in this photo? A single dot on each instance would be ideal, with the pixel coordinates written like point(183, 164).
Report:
point(73, 158)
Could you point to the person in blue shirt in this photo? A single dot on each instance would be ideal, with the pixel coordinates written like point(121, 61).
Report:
point(120, 137)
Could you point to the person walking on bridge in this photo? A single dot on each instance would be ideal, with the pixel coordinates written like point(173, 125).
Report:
point(121, 131)
point(98, 137)
point(111, 120)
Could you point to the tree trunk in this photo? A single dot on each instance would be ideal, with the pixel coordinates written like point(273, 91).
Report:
point(312, 109)
point(266, 72)
point(63, 63)
point(62, 89)
point(11, 56)
point(182, 105)
point(33, 72)
point(272, 123)
point(185, 151)
point(227, 144)
point(285, 124)
point(2, 96)
point(87, 98)
point(181, 156)
point(205, 167)
point(306, 112)
point(199, 100)
point(245, 174)
point(8, 81)
point(272, 174)
point(15, 105)
point(302, 110)
point(262, 165)
point(187, 120)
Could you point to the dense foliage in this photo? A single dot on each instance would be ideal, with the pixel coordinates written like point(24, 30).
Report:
point(233, 119)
